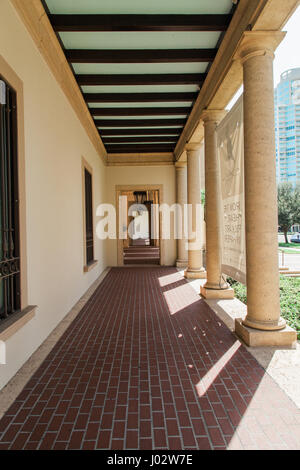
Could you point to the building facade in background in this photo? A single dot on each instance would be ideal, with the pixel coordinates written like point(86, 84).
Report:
point(287, 127)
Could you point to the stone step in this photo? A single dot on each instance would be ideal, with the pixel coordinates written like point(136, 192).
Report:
point(142, 261)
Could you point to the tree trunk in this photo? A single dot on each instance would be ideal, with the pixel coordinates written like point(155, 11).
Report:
point(286, 237)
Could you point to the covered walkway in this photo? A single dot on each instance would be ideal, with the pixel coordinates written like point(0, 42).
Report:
point(147, 365)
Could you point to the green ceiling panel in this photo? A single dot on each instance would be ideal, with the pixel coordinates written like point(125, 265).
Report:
point(138, 118)
point(142, 105)
point(146, 136)
point(139, 6)
point(144, 141)
point(139, 88)
point(140, 40)
point(138, 127)
point(184, 67)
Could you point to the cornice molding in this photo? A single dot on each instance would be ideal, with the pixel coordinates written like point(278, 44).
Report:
point(219, 69)
point(35, 19)
point(140, 159)
point(226, 73)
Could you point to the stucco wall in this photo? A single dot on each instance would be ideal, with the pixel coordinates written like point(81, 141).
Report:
point(143, 175)
point(55, 143)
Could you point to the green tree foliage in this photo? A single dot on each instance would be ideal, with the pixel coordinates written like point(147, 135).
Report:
point(297, 203)
point(288, 206)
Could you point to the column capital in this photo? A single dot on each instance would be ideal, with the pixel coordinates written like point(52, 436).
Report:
point(192, 146)
point(179, 165)
point(213, 115)
point(258, 43)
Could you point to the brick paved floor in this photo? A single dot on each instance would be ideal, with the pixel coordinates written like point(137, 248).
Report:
point(147, 365)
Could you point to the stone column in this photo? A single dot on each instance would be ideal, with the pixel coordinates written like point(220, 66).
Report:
point(261, 325)
point(195, 269)
point(181, 199)
point(216, 286)
point(202, 189)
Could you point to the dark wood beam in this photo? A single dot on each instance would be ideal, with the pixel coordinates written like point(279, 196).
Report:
point(161, 131)
point(139, 122)
point(139, 111)
point(84, 56)
point(140, 22)
point(121, 140)
point(138, 97)
point(139, 148)
point(142, 79)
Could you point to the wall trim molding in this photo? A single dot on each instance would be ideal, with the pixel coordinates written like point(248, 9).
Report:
point(87, 267)
point(226, 74)
point(35, 19)
point(16, 321)
point(139, 187)
point(140, 159)
point(16, 83)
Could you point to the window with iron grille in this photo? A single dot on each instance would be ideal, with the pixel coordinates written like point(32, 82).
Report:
point(10, 301)
point(89, 235)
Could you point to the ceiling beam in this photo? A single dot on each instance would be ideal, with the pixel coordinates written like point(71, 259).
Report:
point(140, 22)
point(121, 140)
point(139, 148)
point(141, 79)
point(161, 131)
point(140, 111)
point(138, 97)
point(139, 122)
point(93, 56)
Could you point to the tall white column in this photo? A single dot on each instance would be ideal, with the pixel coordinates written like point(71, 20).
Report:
point(263, 302)
point(216, 285)
point(181, 193)
point(195, 269)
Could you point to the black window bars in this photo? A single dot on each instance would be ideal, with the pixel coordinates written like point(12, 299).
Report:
point(10, 301)
point(89, 217)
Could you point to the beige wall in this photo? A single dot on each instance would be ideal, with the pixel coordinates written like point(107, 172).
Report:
point(55, 143)
point(139, 175)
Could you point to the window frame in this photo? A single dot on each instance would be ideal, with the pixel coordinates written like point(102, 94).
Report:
point(10, 326)
point(10, 199)
point(85, 167)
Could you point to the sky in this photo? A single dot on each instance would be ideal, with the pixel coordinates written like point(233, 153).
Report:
point(287, 55)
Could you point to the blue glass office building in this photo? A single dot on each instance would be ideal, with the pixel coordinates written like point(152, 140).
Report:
point(287, 127)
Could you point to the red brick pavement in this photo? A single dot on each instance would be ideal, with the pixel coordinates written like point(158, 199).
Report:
point(147, 365)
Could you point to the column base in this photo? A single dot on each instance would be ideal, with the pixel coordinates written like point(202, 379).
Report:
point(195, 274)
point(181, 263)
point(227, 293)
point(265, 326)
point(286, 337)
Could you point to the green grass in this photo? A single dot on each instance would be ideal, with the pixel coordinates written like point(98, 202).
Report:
point(290, 252)
point(289, 245)
point(289, 299)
